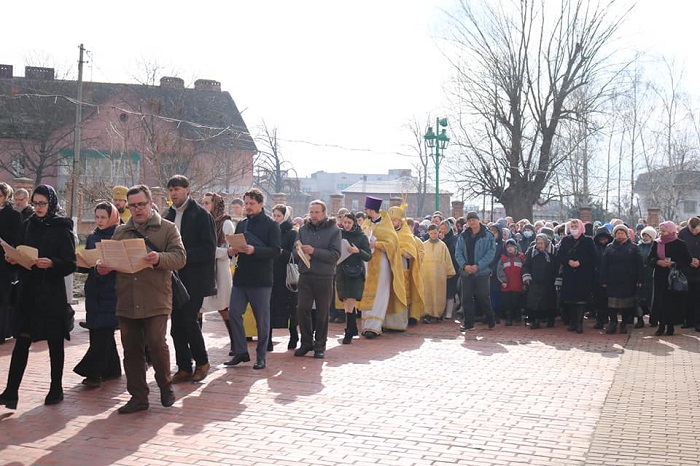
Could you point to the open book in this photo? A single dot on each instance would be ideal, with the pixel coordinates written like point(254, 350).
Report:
point(344, 253)
point(25, 256)
point(236, 241)
point(87, 258)
point(302, 255)
point(127, 256)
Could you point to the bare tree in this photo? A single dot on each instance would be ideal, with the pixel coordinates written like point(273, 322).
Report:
point(424, 163)
point(272, 171)
point(517, 64)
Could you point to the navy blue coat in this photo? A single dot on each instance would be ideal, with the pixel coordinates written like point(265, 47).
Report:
point(100, 292)
point(577, 283)
point(621, 269)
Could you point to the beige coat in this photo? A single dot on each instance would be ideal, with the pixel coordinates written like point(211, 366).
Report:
point(148, 293)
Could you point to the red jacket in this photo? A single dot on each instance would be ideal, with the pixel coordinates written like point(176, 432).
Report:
point(510, 272)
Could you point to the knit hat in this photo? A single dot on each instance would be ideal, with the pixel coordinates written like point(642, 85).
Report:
point(622, 227)
point(472, 214)
point(649, 231)
point(510, 242)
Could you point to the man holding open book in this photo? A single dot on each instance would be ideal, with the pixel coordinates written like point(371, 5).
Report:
point(144, 299)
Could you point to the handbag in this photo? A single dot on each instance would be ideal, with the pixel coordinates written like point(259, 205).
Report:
point(180, 294)
point(353, 270)
point(292, 278)
point(677, 281)
point(69, 319)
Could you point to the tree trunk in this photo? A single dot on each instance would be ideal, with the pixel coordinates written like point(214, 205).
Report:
point(518, 201)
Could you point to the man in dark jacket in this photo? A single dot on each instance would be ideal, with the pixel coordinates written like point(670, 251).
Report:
point(690, 234)
point(252, 282)
point(196, 227)
point(320, 241)
point(475, 250)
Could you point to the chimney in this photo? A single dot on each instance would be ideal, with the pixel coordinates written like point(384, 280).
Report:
point(38, 72)
point(207, 85)
point(171, 82)
point(5, 71)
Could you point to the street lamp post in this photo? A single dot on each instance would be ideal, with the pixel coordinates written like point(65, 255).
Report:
point(438, 141)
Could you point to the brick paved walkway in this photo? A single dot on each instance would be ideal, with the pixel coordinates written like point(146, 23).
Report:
point(430, 396)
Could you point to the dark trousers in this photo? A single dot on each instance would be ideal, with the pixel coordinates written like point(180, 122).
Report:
point(259, 299)
point(692, 306)
point(319, 290)
point(510, 304)
point(187, 335)
point(136, 334)
point(101, 361)
point(18, 364)
point(476, 288)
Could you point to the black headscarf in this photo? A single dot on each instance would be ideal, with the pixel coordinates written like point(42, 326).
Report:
point(50, 194)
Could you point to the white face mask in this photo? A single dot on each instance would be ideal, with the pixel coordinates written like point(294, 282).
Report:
point(574, 232)
point(527, 234)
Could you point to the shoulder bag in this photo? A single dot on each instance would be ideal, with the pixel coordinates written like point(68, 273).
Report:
point(677, 281)
point(292, 279)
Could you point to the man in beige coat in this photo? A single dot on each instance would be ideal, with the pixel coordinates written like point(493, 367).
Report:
point(144, 300)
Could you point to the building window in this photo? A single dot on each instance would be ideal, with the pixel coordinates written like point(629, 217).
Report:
point(689, 207)
point(355, 205)
point(18, 165)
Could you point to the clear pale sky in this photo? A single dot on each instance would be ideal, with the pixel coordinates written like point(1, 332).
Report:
point(336, 75)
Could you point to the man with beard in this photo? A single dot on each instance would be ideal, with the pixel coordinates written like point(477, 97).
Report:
point(320, 241)
point(385, 289)
point(119, 201)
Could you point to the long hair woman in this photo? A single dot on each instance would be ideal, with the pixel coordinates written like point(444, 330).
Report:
point(667, 250)
point(216, 206)
point(10, 221)
point(350, 274)
point(283, 302)
point(42, 295)
point(101, 361)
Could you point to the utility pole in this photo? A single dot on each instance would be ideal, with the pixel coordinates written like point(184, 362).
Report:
point(76, 142)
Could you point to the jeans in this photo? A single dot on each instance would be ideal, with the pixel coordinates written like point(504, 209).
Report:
point(476, 288)
point(259, 299)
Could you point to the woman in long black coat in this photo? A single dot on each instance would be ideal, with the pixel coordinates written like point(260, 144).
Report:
point(283, 302)
point(10, 221)
point(101, 361)
point(350, 274)
point(42, 313)
point(450, 240)
point(576, 256)
point(539, 272)
point(621, 274)
point(668, 307)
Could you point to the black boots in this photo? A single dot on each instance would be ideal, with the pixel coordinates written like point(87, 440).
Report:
point(18, 363)
point(660, 330)
point(640, 322)
point(350, 327)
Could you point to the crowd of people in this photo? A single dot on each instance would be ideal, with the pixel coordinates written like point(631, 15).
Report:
point(375, 270)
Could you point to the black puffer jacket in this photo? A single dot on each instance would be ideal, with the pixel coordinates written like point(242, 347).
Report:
point(264, 234)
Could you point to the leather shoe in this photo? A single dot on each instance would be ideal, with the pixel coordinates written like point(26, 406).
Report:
point(293, 344)
point(91, 382)
point(132, 406)
point(259, 364)
point(369, 334)
point(318, 354)
point(167, 397)
point(200, 373)
point(10, 402)
point(54, 397)
point(181, 376)
point(237, 359)
point(302, 351)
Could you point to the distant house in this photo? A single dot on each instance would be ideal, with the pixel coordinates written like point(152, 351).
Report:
point(131, 134)
point(402, 187)
point(676, 193)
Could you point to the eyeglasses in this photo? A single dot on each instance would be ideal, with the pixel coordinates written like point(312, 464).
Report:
point(39, 204)
point(137, 206)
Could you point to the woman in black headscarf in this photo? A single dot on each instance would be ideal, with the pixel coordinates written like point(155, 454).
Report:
point(42, 294)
